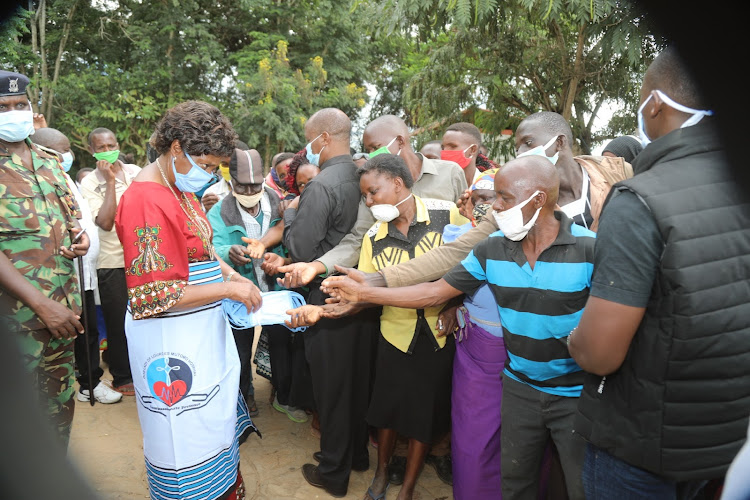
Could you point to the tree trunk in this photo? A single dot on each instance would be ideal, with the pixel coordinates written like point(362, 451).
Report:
point(35, 67)
point(43, 52)
point(60, 51)
point(573, 83)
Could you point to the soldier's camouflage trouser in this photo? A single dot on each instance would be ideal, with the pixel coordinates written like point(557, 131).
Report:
point(49, 361)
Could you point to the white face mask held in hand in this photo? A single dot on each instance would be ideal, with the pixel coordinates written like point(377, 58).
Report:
point(272, 312)
point(510, 221)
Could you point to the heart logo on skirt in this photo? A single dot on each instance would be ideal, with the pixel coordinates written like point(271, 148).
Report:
point(171, 393)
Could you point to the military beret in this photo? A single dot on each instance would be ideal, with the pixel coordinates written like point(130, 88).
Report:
point(12, 83)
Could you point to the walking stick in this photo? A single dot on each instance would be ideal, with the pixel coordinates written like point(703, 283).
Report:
point(86, 330)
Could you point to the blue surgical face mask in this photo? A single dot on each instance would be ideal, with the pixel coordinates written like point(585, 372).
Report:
point(67, 161)
point(698, 115)
point(313, 158)
point(542, 151)
point(194, 180)
point(202, 191)
point(15, 126)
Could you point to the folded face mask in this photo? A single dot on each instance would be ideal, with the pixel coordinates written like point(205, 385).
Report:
point(272, 312)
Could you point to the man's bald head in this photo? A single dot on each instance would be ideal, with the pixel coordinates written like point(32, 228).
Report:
point(384, 129)
point(330, 120)
point(527, 174)
point(390, 123)
point(51, 138)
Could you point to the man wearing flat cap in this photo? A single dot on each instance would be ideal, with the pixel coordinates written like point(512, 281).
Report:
point(245, 224)
point(40, 301)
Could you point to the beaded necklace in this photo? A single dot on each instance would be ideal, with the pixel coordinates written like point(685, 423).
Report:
point(199, 222)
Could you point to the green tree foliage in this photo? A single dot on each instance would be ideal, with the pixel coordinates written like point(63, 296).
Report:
point(121, 64)
point(276, 100)
point(270, 63)
point(500, 61)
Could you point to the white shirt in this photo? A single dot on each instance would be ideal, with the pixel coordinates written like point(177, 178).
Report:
point(87, 223)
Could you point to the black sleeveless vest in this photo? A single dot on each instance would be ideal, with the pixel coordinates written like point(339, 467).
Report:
point(679, 404)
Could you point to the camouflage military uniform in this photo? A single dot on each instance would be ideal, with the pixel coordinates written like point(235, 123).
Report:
point(37, 212)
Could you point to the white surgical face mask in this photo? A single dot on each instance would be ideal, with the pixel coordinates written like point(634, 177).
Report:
point(385, 212)
point(249, 200)
point(698, 115)
point(17, 125)
point(510, 221)
point(542, 151)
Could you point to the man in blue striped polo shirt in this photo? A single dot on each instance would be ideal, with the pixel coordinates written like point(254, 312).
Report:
point(539, 269)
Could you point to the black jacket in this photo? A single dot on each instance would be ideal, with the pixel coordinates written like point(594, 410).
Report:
point(327, 210)
point(679, 404)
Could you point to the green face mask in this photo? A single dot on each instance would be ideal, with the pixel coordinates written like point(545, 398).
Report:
point(384, 149)
point(108, 156)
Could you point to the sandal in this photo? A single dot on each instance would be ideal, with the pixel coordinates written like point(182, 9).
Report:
point(252, 407)
point(126, 389)
point(372, 496)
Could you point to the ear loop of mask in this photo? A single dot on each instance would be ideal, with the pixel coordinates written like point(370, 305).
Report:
point(698, 114)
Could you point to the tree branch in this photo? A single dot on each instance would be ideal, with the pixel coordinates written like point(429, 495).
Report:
point(58, 59)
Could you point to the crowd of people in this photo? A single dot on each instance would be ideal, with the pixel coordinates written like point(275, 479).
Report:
point(561, 326)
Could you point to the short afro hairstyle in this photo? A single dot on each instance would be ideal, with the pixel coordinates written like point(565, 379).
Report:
point(199, 127)
point(391, 165)
point(554, 123)
point(468, 129)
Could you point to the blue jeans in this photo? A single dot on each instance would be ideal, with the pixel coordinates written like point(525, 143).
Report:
point(606, 477)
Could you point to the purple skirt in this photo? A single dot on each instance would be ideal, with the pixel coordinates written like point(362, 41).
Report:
point(476, 405)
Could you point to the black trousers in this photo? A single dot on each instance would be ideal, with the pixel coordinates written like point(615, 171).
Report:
point(290, 374)
point(339, 354)
point(243, 339)
point(113, 293)
point(79, 347)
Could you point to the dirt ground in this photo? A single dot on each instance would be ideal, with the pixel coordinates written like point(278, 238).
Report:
point(107, 446)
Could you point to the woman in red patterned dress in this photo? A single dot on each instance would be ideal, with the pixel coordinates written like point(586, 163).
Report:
point(185, 364)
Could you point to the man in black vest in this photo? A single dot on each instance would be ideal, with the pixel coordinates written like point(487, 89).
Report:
point(665, 335)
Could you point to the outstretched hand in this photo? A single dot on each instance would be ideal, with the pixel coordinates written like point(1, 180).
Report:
point(272, 262)
point(343, 288)
point(255, 249)
point(306, 315)
point(298, 274)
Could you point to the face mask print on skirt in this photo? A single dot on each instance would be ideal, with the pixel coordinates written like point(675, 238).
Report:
point(272, 312)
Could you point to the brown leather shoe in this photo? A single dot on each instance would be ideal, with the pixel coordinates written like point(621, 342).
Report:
point(312, 475)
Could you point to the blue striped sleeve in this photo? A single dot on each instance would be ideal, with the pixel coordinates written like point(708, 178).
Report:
point(468, 275)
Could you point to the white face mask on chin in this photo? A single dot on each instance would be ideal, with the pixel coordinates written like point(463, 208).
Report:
point(510, 221)
point(385, 212)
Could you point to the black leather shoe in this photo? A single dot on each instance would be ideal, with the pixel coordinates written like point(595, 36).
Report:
point(443, 466)
point(318, 455)
point(312, 476)
point(397, 470)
